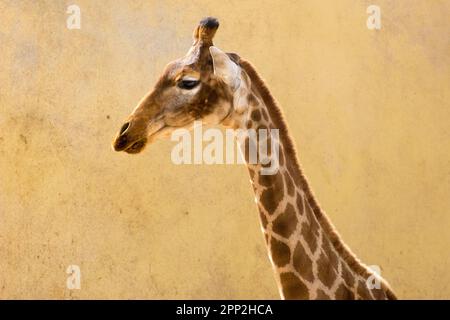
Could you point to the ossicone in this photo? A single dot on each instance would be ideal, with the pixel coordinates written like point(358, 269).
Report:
point(205, 31)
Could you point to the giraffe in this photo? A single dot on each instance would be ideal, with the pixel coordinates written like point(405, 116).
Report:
point(308, 257)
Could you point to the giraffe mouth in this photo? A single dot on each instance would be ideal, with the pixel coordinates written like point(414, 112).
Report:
point(137, 146)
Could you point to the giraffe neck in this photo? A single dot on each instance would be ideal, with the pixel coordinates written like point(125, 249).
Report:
point(309, 259)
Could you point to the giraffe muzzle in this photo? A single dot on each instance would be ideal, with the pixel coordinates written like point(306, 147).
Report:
point(125, 142)
point(122, 144)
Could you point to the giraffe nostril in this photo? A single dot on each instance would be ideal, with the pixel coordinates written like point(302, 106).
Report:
point(120, 143)
point(124, 128)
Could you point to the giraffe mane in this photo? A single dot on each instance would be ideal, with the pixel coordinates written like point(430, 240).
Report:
point(277, 117)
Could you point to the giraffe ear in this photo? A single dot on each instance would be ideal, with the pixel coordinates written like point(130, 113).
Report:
point(225, 68)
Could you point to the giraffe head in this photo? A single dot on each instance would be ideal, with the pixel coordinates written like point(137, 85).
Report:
point(199, 86)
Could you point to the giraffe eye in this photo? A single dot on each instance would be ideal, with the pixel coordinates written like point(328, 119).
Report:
point(188, 84)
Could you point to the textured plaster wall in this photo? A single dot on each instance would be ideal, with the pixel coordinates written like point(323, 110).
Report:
point(369, 111)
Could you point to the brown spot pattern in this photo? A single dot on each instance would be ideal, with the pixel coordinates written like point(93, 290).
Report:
point(269, 180)
point(309, 236)
point(344, 293)
point(332, 256)
point(347, 276)
point(286, 222)
point(256, 115)
point(281, 254)
point(326, 273)
point(303, 263)
point(363, 291)
point(292, 287)
point(252, 101)
point(271, 197)
point(321, 295)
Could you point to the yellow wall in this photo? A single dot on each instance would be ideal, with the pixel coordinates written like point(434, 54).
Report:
point(369, 111)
